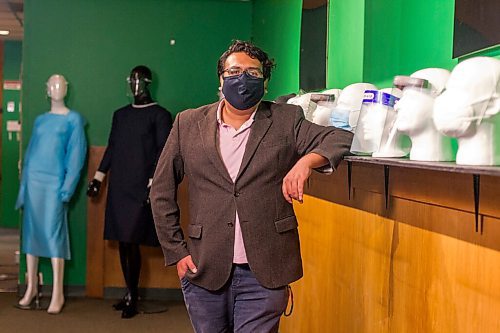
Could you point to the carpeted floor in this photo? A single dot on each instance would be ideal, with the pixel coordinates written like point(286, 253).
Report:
point(9, 268)
point(90, 316)
point(79, 314)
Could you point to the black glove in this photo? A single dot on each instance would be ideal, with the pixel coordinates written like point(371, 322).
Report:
point(93, 188)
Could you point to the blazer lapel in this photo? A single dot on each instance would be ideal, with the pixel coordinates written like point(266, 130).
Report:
point(208, 133)
point(259, 128)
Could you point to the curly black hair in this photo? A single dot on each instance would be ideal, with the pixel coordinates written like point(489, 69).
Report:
point(252, 51)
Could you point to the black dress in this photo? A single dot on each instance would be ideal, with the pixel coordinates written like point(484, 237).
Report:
point(137, 137)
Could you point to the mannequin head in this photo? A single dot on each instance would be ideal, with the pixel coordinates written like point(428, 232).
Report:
point(392, 143)
point(472, 95)
point(416, 104)
point(414, 117)
point(57, 87)
point(374, 124)
point(139, 79)
point(469, 110)
point(302, 101)
point(322, 113)
point(346, 112)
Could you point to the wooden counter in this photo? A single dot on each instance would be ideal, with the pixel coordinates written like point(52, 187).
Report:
point(416, 266)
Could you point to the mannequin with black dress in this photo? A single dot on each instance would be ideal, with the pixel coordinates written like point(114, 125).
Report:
point(138, 133)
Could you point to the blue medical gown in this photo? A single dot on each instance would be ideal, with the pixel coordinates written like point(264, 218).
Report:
point(52, 165)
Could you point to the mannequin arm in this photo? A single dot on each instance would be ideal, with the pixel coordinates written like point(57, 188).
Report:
point(75, 158)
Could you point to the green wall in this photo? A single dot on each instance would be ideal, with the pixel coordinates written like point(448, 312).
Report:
point(276, 29)
point(374, 40)
point(9, 217)
point(95, 44)
point(345, 49)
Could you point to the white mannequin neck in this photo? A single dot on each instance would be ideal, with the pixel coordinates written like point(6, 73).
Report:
point(430, 145)
point(483, 147)
point(58, 107)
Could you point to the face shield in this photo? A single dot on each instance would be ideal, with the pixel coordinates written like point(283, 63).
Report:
point(322, 104)
point(377, 110)
point(137, 85)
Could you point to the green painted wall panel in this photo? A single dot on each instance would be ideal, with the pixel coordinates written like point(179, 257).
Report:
point(382, 52)
point(427, 35)
point(345, 49)
point(9, 217)
point(276, 29)
point(372, 41)
point(95, 44)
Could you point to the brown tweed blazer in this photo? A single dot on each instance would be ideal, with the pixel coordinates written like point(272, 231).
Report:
point(279, 137)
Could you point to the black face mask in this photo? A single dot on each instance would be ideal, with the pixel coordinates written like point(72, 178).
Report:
point(243, 91)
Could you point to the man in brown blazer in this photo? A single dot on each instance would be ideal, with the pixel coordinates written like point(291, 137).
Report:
point(246, 160)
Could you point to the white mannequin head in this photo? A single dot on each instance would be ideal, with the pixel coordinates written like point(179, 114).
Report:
point(322, 113)
point(469, 110)
point(57, 87)
point(301, 100)
point(346, 113)
point(414, 117)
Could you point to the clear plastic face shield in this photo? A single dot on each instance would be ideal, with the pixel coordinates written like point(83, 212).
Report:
point(136, 85)
point(414, 108)
point(370, 128)
point(57, 87)
point(320, 107)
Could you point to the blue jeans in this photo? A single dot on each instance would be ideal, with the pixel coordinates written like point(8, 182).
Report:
point(242, 305)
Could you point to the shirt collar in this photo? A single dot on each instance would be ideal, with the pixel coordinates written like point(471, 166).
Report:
point(219, 116)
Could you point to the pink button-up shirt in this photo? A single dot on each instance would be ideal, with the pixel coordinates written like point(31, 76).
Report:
point(232, 144)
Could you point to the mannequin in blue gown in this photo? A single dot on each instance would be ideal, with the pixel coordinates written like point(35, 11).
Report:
point(51, 170)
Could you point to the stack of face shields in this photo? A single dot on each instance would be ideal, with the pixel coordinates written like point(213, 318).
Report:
point(377, 111)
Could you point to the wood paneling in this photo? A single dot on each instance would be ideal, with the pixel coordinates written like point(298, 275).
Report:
point(418, 266)
point(103, 263)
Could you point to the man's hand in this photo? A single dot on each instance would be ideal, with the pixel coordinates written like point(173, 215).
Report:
point(93, 188)
point(293, 183)
point(183, 265)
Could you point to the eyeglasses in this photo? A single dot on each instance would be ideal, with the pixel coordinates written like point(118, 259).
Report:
point(235, 71)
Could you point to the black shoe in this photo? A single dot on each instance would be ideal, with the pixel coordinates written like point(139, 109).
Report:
point(130, 310)
point(120, 305)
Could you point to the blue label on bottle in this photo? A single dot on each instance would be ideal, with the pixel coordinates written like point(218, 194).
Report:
point(378, 97)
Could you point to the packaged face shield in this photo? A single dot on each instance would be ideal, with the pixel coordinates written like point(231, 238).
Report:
point(377, 110)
